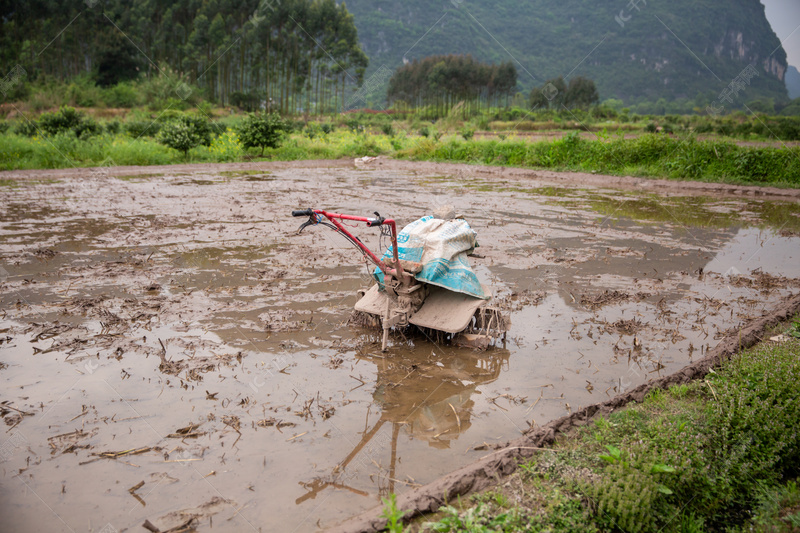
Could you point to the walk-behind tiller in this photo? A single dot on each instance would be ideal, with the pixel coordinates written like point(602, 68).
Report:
point(437, 291)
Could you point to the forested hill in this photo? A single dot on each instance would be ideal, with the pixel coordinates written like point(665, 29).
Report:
point(291, 52)
point(637, 50)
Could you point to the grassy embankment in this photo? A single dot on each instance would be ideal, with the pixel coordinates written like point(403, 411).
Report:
point(721, 454)
point(678, 156)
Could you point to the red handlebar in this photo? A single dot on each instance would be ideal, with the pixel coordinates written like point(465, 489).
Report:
point(397, 271)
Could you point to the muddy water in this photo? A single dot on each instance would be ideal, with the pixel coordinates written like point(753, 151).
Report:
point(170, 350)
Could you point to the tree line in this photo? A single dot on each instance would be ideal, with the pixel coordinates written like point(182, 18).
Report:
point(300, 55)
point(556, 94)
point(442, 81)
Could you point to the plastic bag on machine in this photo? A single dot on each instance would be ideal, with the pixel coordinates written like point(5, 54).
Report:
point(442, 247)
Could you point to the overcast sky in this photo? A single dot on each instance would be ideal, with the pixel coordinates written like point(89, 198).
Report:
point(784, 16)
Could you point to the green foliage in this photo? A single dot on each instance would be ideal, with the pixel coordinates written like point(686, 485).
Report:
point(113, 127)
point(555, 94)
point(264, 130)
point(185, 133)
point(648, 155)
point(393, 515)
point(139, 128)
point(4, 126)
point(28, 128)
point(442, 80)
point(794, 330)
point(237, 50)
point(753, 424)
point(246, 101)
point(698, 457)
point(67, 119)
point(467, 133)
point(124, 95)
point(778, 509)
point(117, 61)
point(387, 130)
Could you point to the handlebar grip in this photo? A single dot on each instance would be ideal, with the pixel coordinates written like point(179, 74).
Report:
point(302, 212)
point(378, 221)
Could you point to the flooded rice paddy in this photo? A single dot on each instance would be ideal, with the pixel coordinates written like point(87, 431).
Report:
point(172, 353)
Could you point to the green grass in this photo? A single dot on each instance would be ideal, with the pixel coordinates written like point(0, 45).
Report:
point(649, 155)
point(719, 454)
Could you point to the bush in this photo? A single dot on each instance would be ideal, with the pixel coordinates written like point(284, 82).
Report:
point(139, 128)
point(121, 95)
point(4, 126)
point(185, 133)
point(113, 127)
point(28, 128)
point(387, 130)
point(67, 119)
point(264, 130)
point(88, 127)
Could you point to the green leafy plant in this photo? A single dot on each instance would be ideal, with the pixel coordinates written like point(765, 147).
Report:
point(262, 130)
point(393, 515)
point(68, 119)
point(794, 331)
point(185, 133)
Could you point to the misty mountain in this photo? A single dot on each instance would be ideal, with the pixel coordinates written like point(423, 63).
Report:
point(635, 50)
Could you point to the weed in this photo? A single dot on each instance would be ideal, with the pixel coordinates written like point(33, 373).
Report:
point(794, 330)
point(392, 514)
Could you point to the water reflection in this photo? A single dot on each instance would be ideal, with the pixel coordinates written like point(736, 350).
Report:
point(427, 395)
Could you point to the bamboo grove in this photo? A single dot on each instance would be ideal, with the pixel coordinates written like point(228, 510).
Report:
point(441, 82)
point(296, 55)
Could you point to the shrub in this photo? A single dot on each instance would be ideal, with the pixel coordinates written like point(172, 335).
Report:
point(139, 128)
point(185, 133)
point(28, 128)
point(355, 126)
point(467, 133)
point(263, 130)
point(4, 126)
point(113, 126)
point(65, 119)
point(387, 130)
point(88, 127)
point(121, 95)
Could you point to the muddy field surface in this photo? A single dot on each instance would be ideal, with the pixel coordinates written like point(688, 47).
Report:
point(174, 355)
